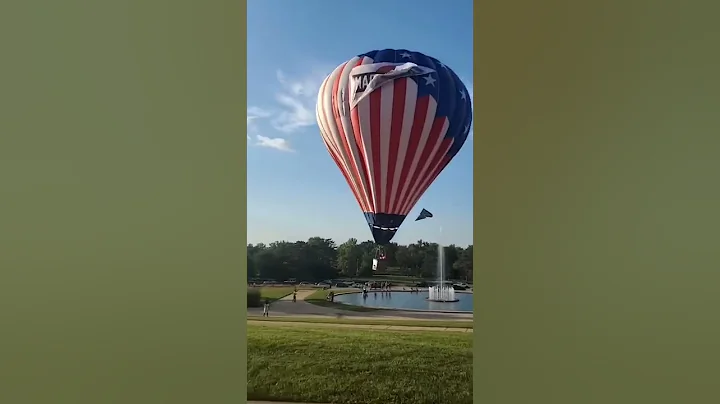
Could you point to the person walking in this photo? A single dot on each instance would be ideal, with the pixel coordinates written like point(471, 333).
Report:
point(266, 308)
point(294, 296)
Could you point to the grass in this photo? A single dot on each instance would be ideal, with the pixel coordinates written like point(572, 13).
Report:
point(363, 321)
point(358, 366)
point(273, 293)
point(319, 298)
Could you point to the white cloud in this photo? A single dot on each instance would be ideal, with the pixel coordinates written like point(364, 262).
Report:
point(274, 143)
point(294, 107)
point(297, 97)
point(296, 100)
point(255, 113)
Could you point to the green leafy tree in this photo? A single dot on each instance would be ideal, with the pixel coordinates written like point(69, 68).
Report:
point(348, 257)
point(464, 264)
point(320, 258)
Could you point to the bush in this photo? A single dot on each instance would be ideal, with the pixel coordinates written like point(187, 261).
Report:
point(253, 297)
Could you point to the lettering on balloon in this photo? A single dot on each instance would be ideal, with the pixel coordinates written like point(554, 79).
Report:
point(360, 82)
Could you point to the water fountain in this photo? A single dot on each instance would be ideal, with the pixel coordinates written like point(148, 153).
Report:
point(442, 292)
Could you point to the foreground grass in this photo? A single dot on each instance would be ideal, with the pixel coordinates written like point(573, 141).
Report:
point(363, 321)
point(319, 298)
point(349, 366)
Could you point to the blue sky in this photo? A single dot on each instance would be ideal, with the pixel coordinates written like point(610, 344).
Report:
point(295, 190)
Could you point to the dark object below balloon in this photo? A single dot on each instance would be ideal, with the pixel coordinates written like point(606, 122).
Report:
point(383, 226)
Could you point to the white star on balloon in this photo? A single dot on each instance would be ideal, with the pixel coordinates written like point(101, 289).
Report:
point(462, 94)
point(405, 55)
point(429, 80)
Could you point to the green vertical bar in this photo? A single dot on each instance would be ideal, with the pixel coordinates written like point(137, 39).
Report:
point(597, 202)
point(122, 202)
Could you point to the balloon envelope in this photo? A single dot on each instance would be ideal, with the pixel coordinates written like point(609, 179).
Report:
point(392, 120)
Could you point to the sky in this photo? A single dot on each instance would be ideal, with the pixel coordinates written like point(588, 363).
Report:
point(295, 190)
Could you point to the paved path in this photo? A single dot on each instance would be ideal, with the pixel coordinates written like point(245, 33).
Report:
point(286, 307)
point(366, 326)
point(301, 295)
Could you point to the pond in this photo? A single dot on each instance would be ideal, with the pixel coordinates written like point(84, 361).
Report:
point(406, 300)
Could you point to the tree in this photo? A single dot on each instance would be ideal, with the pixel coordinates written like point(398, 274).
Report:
point(464, 264)
point(367, 254)
point(348, 257)
point(318, 259)
point(452, 253)
point(251, 270)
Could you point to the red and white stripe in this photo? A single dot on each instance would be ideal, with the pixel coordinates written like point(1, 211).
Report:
point(390, 146)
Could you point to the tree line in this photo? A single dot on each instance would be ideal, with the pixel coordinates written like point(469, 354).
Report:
point(320, 258)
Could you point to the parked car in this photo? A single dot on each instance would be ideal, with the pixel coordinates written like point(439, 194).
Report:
point(341, 285)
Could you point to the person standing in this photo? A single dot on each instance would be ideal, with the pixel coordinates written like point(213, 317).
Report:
point(266, 308)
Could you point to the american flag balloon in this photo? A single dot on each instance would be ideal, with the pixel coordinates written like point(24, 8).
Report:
point(392, 120)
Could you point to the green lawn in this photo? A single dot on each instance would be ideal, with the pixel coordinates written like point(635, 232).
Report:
point(359, 366)
point(319, 298)
point(275, 292)
point(362, 321)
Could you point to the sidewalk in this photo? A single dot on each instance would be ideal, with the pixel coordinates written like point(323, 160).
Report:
point(374, 327)
point(301, 295)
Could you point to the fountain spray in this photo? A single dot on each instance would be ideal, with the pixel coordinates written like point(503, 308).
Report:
point(441, 292)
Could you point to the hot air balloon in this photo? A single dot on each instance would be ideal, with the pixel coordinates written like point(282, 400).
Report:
point(392, 120)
